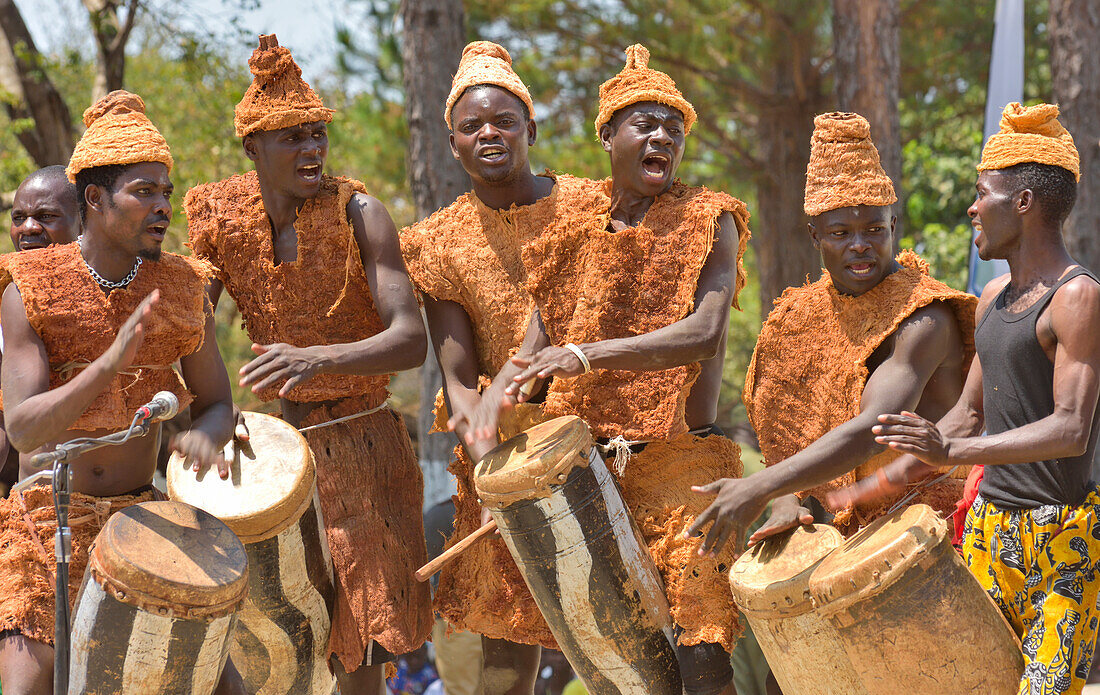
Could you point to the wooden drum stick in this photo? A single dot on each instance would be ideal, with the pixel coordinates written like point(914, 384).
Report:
point(425, 572)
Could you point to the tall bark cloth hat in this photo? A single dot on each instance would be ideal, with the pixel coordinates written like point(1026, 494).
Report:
point(1031, 134)
point(118, 132)
point(636, 83)
point(484, 62)
point(844, 169)
point(278, 96)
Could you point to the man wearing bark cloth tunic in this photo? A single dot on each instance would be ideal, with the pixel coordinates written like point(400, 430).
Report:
point(315, 267)
point(465, 260)
point(45, 211)
point(92, 330)
point(874, 334)
point(639, 295)
point(1032, 537)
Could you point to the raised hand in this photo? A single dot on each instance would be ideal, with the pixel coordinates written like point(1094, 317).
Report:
point(277, 362)
point(124, 349)
point(547, 362)
point(734, 509)
point(911, 434)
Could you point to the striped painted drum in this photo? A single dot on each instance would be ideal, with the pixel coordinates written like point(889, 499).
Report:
point(771, 586)
point(158, 603)
point(562, 517)
point(270, 501)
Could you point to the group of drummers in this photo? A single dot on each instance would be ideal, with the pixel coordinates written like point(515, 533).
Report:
point(547, 296)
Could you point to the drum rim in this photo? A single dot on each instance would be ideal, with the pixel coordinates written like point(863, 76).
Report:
point(542, 483)
point(841, 579)
point(783, 597)
point(203, 602)
point(267, 523)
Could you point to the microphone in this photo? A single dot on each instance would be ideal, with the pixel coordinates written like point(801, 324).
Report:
point(164, 406)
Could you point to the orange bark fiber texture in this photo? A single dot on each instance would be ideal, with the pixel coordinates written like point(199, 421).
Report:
point(372, 494)
point(809, 370)
point(591, 284)
point(118, 132)
point(1031, 134)
point(844, 168)
point(482, 590)
point(656, 485)
point(469, 254)
point(27, 597)
point(484, 62)
point(637, 82)
point(322, 298)
point(77, 323)
point(278, 96)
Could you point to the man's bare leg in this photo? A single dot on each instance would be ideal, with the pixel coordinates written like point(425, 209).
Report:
point(508, 668)
point(365, 680)
point(26, 666)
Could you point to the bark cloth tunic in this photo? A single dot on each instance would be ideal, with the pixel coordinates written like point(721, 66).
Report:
point(592, 284)
point(469, 254)
point(370, 483)
point(809, 369)
point(77, 322)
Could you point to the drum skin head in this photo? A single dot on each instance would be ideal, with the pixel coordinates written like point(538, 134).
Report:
point(173, 552)
point(270, 482)
point(525, 466)
point(774, 576)
point(875, 557)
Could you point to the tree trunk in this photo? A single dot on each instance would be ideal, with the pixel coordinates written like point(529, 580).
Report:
point(50, 138)
point(111, 34)
point(432, 41)
point(1075, 82)
point(784, 254)
point(866, 40)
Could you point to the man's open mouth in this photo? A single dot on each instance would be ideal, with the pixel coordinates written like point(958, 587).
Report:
point(656, 165)
point(30, 243)
point(310, 172)
point(492, 153)
point(861, 268)
point(158, 230)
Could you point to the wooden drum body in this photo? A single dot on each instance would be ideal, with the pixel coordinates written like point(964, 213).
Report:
point(270, 501)
point(158, 603)
point(910, 615)
point(771, 586)
point(564, 521)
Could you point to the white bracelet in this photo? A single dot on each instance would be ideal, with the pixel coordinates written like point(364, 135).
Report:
point(580, 356)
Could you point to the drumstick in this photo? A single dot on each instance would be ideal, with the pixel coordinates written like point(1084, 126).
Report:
point(424, 573)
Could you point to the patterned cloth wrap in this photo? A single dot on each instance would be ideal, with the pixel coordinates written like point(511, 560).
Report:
point(1040, 567)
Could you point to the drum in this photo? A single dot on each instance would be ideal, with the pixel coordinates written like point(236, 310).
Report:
point(270, 501)
point(771, 586)
point(158, 603)
point(563, 519)
point(910, 615)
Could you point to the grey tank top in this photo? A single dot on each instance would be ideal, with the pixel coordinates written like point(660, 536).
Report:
point(1018, 389)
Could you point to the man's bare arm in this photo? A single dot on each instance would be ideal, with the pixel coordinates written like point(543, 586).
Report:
point(400, 345)
point(212, 410)
point(1075, 322)
point(920, 346)
point(34, 413)
point(696, 337)
point(453, 340)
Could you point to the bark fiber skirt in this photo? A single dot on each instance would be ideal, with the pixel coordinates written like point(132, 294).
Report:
point(656, 485)
point(27, 597)
point(372, 495)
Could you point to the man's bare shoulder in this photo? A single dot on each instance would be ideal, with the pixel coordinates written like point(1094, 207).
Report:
point(1079, 301)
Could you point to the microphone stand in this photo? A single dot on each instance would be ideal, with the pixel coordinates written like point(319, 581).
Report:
point(60, 458)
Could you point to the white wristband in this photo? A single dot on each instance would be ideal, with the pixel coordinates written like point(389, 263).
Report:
point(580, 356)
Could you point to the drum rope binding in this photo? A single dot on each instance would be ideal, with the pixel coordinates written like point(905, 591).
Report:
point(916, 490)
